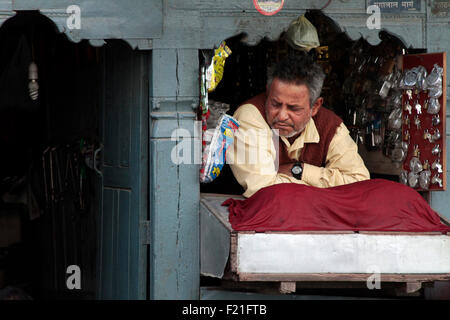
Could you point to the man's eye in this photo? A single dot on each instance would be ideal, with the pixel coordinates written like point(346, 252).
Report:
point(276, 104)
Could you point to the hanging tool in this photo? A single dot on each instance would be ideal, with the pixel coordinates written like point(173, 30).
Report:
point(59, 204)
point(53, 219)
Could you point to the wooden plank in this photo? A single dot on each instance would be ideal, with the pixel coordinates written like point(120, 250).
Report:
point(403, 233)
point(123, 245)
point(221, 195)
point(106, 254)
point(283, 277)
point(139, 164)
point(233, 252)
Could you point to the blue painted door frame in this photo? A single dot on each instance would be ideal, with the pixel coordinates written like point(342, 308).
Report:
point(122, 250)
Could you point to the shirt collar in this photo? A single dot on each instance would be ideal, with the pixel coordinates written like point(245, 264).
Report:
point(309, 135)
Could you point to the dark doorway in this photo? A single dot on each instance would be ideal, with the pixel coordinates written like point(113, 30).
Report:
point(48, 192)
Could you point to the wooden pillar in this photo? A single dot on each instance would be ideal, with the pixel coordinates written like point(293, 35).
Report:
point(175, 192)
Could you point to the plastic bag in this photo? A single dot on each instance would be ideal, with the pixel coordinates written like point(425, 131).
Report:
point(214, 73)
point(214, 154)
point(302, 35)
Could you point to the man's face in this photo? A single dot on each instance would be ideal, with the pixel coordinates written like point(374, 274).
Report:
point(288, 108)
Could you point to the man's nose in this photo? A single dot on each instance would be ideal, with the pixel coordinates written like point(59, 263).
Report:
point(283, 114)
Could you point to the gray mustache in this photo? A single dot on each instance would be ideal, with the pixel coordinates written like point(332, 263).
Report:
point(282, 123)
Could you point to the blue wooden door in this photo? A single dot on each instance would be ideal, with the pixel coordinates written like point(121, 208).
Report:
point(122, 250)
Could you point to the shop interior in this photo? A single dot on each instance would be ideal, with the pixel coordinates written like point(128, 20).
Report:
point(50, 107)
point(356, 72)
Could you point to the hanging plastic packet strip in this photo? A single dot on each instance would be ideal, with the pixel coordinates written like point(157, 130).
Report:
point(214, 74)
point(203, 92)
point(214, 153)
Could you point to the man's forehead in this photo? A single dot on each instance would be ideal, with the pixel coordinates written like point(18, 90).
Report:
point(278, 84)
point(289, 92)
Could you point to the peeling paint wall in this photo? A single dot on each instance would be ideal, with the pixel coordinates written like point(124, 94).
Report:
point(99, 19)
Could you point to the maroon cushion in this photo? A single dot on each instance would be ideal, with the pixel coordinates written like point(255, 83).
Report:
point(370, 205)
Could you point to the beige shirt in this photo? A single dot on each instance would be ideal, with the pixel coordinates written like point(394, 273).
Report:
point(254, 162)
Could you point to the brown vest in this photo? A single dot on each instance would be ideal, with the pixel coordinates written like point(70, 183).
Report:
point(326, 122)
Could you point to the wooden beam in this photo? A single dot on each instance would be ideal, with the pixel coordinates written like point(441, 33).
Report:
point(396, 233)
point(283, 277)
point(233, 252)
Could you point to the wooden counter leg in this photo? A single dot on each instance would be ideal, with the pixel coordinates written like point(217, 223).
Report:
point(287, 287)
point(413, 286)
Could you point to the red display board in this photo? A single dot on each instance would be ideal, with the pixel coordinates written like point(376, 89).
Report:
point(417, 125)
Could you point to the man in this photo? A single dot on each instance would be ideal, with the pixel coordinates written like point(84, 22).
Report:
point(314, 146)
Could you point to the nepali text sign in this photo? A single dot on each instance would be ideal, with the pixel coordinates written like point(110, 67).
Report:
point(396, 6)
point(440, 8)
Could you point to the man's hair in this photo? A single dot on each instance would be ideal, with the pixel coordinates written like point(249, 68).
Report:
point(299, 70)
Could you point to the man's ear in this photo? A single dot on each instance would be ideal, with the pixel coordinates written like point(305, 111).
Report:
point(316, 106)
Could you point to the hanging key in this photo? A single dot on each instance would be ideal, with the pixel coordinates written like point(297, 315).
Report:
point(436, 150)
point(405, 146)
point(360, 137)
point(437, 135)
point(406, 121)
point(427, 136)
point(407, 135)
point(437, 166)
point(409, 94)
point(408, 107)
point(416, 152)
point(418, 107)
point(437, 180)
point(417, 122)
point(436, 120)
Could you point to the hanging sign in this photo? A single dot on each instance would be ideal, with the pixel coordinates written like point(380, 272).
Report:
point(268, 7)
point(395, 6)
point(440, 8)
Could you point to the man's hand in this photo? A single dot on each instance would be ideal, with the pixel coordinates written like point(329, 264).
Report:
point(286, 168)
